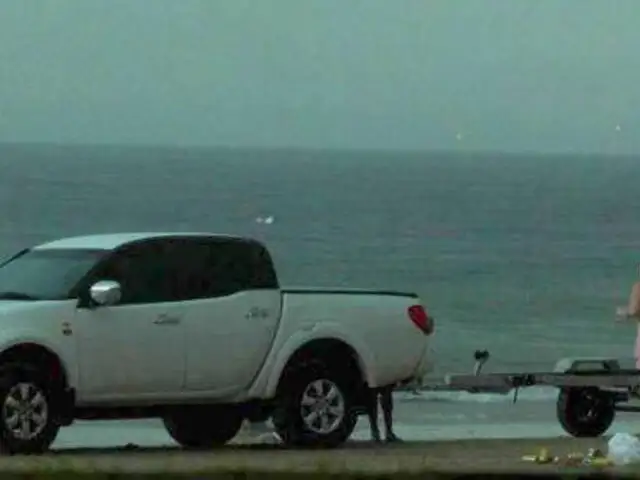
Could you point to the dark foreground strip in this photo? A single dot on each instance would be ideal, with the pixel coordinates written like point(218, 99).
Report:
point(266, 475)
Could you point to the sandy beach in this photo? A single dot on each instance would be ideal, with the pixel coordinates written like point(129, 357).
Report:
point(458, 436)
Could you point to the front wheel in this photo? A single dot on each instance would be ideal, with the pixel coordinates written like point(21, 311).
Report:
point(28, 423)
point(585, 412)
point(315, 409)
point(203, 427)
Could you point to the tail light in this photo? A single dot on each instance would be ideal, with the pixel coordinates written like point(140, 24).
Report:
point(421, 319)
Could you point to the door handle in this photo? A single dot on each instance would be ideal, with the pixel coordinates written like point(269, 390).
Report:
point(257, 312)
point(166, 320)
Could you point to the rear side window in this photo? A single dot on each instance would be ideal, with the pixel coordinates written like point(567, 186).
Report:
point(219, 267)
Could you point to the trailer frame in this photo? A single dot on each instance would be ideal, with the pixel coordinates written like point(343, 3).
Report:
point(591, 389)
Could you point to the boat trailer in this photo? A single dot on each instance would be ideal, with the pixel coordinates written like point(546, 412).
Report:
point(591, 390)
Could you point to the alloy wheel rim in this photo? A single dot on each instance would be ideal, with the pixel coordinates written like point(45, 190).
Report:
point(25, 411)
point(322, 406)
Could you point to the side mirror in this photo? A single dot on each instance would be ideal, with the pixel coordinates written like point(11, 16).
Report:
point(105, 293)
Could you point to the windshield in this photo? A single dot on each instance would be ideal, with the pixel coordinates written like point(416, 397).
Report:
point(45, 274)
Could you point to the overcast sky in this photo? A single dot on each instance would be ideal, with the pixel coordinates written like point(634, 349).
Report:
point(478, 74)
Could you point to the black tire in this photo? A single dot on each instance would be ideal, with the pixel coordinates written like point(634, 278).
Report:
point(288, 418)
point(26, 400)
point(585, 412)
point(203, 427)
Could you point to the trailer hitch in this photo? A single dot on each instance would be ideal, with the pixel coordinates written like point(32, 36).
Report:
point(481, 357)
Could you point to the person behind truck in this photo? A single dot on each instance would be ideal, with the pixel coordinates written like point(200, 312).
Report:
point(385, 396)
point(631, 311)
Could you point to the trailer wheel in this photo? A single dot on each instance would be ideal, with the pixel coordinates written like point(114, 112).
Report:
point(585, 412)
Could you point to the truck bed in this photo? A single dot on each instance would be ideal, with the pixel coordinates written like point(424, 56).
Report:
point(347, 291)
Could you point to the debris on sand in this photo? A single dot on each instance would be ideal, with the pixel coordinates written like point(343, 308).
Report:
point(594, 457)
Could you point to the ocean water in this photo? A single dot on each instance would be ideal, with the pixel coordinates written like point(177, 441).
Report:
point(524, 256)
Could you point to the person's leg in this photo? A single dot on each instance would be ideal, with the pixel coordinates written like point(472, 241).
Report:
point(372, 414)
point(386, 402)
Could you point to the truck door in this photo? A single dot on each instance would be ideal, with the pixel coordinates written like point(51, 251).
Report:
point(231, 314)
point(136, 347)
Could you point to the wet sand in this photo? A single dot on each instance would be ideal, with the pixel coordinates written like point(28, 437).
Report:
point(416, 420)
point(438, 436)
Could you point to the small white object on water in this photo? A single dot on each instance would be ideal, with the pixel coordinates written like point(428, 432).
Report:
point(266, 220)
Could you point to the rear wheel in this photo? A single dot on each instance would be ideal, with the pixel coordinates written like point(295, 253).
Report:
point(204, 427)
point(315, 409)
point(585, 412)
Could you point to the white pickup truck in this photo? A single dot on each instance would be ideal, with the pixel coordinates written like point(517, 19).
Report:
point(194, 329)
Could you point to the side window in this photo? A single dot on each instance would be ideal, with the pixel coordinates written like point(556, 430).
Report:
point(200, 274)
point(221, 267)
point(260, 272)
point(146, 273)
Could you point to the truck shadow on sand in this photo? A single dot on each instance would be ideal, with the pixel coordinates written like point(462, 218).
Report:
point(234, 448)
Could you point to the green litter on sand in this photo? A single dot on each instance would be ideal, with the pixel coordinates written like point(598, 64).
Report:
point(543, 456)
point(594, 457)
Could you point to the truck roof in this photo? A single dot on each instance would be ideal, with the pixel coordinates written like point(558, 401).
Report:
point(111, 241)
